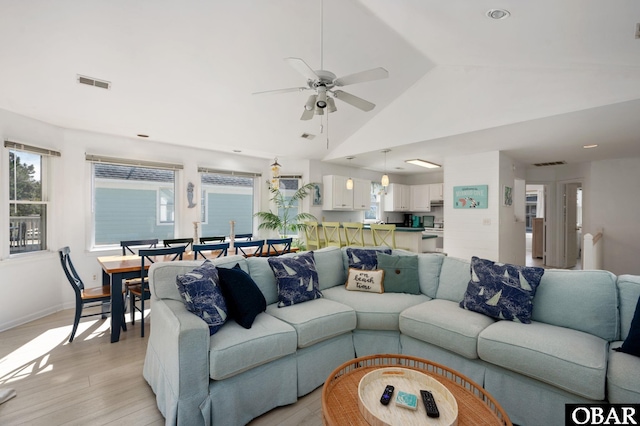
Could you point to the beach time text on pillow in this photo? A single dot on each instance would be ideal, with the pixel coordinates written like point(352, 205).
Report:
point(365, 280)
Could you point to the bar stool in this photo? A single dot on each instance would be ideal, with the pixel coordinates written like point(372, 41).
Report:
point(353, 233)
point(312, 236)
point(384, 235)
point(332, 236)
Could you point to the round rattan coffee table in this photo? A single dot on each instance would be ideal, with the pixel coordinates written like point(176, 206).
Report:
point(340, 391)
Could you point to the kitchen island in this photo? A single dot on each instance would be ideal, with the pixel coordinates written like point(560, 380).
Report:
point(407, 238)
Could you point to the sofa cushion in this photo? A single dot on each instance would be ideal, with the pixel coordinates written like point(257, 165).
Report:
point(429, 265)
point(329, 267)
point(316, 320)
point(400, 273)
point(262, 275)
point(200, 288)
point(296, 277)
point(629, 292)
point(631, 344)
point(375, 311)
point(444, 324)
point(244, 298)
point(365, 258)
point(365, 280)
point(623, 376)
point(454, 279)
point(234, 349)
point(162, 275)
point(501, 290)
point(597, 312)
point(568, 359)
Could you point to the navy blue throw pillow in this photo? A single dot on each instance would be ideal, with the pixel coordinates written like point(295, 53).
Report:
point(297, 278)
point(501, 290)
point(631, 344)
point(365, 259)
point(244, 298)
point(200, 290)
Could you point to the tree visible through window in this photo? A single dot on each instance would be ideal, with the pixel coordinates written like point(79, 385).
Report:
point(27, 204)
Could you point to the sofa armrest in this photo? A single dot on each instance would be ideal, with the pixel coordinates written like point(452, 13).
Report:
point(178, 351)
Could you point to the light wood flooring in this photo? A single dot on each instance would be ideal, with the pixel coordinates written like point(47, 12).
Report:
point(92, 381)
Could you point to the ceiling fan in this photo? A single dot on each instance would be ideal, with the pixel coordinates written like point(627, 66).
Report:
point(324, 83)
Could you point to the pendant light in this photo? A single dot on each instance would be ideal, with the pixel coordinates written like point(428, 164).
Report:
point(350, 181)
point(275, 174)
point(385, 178)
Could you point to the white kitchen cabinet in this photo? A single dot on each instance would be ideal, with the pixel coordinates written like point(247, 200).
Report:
point(436, 191)
point(361, 194)
point(397, 198)
point(335, 195)
point(420, 198)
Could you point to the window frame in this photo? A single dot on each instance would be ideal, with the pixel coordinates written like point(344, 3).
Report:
point(46, 163)
point(93, 160)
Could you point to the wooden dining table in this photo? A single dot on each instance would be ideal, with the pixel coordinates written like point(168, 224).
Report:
point(117, 268)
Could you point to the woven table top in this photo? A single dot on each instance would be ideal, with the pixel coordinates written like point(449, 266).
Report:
point(340, 391)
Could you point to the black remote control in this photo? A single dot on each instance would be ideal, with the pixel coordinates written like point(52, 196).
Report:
point(386, 395)
point(429, 404)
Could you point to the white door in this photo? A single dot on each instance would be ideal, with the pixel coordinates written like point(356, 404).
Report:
point(570, 224)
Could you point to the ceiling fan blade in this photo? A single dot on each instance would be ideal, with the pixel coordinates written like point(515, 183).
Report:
point(362, 76)
point(290, 89)
point(306, 114)
point(353, 100)
point(302, 67)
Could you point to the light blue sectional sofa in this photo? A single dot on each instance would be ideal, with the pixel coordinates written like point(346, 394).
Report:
point(533, 370)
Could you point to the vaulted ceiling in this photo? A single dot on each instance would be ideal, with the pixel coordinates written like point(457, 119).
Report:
point(539, 85)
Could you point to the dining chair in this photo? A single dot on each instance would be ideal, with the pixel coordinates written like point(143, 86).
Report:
point(383, 235)
point(141, 292)
point(201, 249)
point(353, 233)
point(312, 236)
point(85, 297)
point(127, 244)
point(278, 246)
point(171, 242)
point(246, 237)
point(332, 235)
point(244, 246)
point(206, 240)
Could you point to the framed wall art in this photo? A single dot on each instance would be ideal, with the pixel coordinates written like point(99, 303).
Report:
point(471, 197)
point(507, 195)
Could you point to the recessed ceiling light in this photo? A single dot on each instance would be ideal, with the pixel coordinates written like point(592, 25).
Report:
point(423, 163)
point(140, 135)
point(498, 14)
point(590, 146)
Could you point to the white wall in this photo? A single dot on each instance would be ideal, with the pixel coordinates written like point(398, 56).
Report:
point(472, 232)
point(40, 274)
point(613, 205)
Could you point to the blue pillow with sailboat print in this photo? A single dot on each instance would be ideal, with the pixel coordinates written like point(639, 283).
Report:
point(501, 290)
point(365, 258)
point(202, 295)
point(297, 278)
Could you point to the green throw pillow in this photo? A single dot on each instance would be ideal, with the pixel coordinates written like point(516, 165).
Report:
point(400, 273)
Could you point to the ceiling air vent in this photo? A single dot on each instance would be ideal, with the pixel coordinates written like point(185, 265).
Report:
point(552, 163)
point(89, 81)
point(307, 136)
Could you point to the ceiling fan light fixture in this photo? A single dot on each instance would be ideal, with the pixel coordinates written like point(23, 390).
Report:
point(331, 105)
point(311, 103)
point(321, 100)
point(423, 163)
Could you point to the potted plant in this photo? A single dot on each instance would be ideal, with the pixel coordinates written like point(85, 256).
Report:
point(286, 219)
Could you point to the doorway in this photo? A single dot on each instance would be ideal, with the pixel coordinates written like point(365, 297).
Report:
point(535, 202)
point(572, 225)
